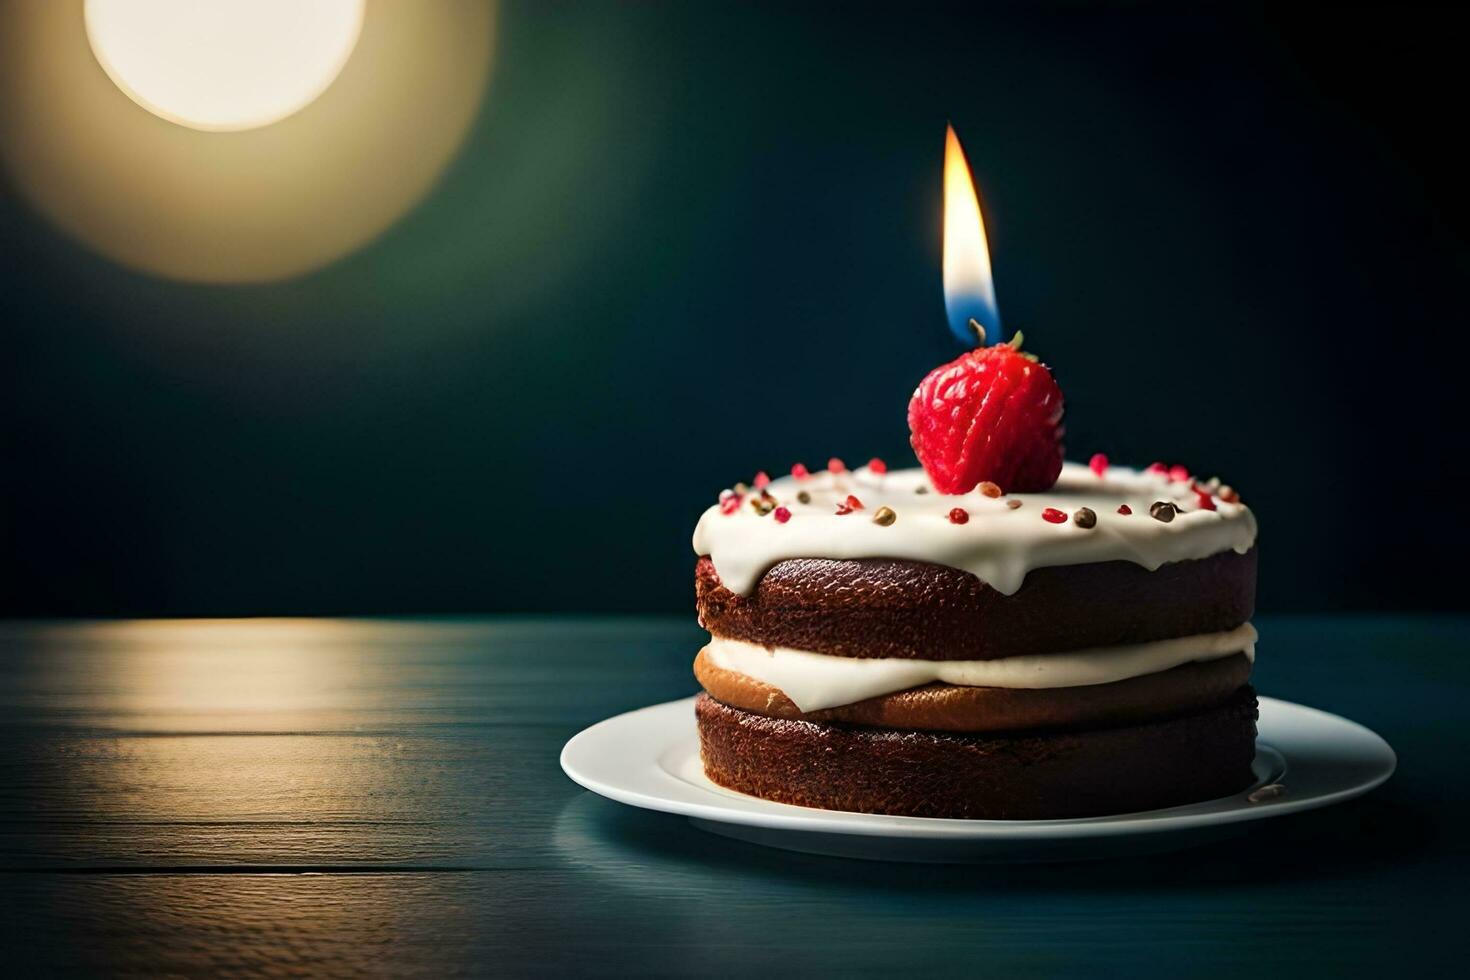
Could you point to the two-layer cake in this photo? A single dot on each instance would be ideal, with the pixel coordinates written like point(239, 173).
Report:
point(879, 646)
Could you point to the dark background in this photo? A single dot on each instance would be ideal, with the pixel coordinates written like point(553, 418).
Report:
point(684, 242)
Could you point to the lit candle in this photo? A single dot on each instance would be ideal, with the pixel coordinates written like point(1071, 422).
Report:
point(969, 290)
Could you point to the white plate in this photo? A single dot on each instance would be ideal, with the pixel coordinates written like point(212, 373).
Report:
point(650, 758)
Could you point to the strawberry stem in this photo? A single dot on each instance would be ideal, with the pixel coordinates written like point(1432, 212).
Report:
point(1016, 339)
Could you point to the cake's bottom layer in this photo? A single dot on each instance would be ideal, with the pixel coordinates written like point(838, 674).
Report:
point(952, 708)
point(1026, 776)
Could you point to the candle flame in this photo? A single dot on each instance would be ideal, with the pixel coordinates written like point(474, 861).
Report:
point(969, 291)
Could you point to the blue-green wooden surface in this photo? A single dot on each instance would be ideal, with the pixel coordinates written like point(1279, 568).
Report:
point(338, 797)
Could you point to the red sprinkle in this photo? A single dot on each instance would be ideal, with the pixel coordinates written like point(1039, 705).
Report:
point(854, 503)
point(877, 465)
point(800, 471)
point(1098, 464)
point(1229, 495)
point(730, 504)
point(1054, 516)
point(762, 480)
point(836, 465)
point(1178, 474)
point(959, 516)
point(1206, 502)
point(1157, 468)
point(782, 515)
point(1124, 509)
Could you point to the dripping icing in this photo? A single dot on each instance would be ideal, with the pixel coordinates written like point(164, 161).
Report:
point(998, 545)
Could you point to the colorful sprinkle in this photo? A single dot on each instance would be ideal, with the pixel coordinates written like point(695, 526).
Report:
point(1206, 502)
point(1054, 516)
point(800, 471)
point(762, 480)
point(803, 497)
point(1162, 510)
point(988, 489)
point(836, 465)
point(1227, 493)
point(1178, 474)
point(959, 516)
point(921, 489)
point(730, 504)
point(877, 465)
point(1098, 464)
point(1124, 509)
point(763, 505)
point(782, 515)
point(1085, 517)
point(1157, 468)
point(884, 516)
point(1013, 504)
point(849, 505)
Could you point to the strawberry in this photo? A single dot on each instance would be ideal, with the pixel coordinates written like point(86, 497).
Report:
point(991, 414)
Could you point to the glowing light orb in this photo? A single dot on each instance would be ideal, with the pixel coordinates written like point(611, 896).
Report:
point(248, 205)
point(223, 64)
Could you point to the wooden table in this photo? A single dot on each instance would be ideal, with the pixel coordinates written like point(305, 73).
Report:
point(341, 797)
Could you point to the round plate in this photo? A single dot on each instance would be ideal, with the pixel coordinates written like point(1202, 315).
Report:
point(650, 758)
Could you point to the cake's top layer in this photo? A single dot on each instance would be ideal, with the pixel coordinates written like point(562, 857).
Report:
point(894, 607)
point(997, 542)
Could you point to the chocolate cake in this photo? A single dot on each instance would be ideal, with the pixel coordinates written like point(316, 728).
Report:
point(999, 634)
point(879, 646)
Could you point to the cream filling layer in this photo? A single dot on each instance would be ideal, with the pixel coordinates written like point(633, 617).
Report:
point(814, 681)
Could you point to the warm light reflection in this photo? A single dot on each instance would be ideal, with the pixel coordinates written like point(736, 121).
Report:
point(255, 741)
point(969, 290)
point(254, 675)
point(297, 745)
point(253, 205)
point(224, 64)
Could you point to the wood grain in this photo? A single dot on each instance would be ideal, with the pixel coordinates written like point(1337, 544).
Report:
point(359, 797)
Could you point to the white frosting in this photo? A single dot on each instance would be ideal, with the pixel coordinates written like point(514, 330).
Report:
point(816, 680)
point(998, 545)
